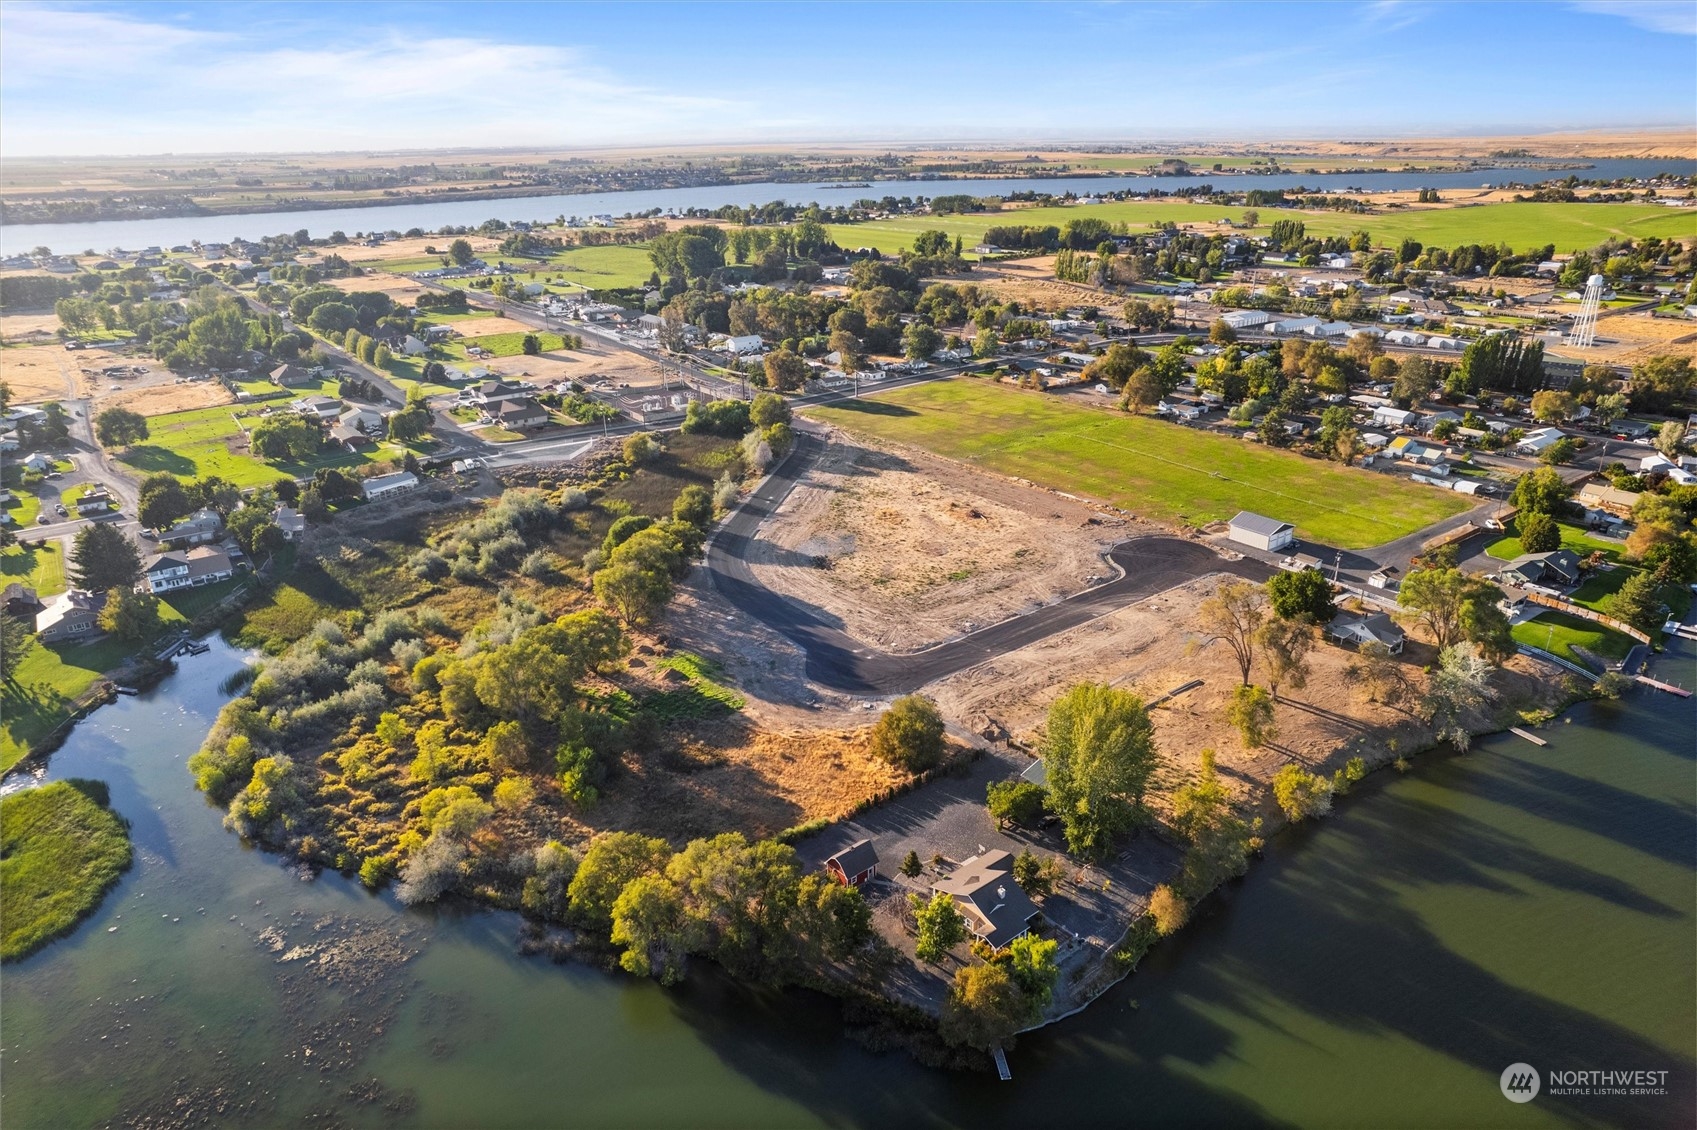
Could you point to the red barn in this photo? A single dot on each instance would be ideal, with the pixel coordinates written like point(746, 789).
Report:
point(854, 865)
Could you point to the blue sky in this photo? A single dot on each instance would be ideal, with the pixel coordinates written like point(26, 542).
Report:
point(171, 77)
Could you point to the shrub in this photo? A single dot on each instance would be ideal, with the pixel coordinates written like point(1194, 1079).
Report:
point(910, 734)
point(640, 447)
point(1167, 907)
point(1301, 794)
point(432, 871)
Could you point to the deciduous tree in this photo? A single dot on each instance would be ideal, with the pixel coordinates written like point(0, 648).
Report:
point(1233, 615)
point(1099, 754)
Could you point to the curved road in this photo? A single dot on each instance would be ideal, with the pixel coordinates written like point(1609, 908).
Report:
point(1148, 565)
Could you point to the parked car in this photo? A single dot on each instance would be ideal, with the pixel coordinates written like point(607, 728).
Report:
point(60, 510)
point(149, 535)
point(44, 519)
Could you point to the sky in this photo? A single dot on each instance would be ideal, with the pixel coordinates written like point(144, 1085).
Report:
point(164, 77)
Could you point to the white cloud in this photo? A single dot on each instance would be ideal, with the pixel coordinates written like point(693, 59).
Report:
point(1676, 17)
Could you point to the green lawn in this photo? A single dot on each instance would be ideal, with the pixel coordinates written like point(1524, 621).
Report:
point(209, 441)
point(1557, 632)
point(1144, 465)
point(600, 268)
point(41, 568)
point(1605, 583)
point(1507, 548)
point(23, 508)
point(503, 345)
point(46, 682)
point(61, 849)
point(1570, 227)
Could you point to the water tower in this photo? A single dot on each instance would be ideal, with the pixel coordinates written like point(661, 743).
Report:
point(1584, 333)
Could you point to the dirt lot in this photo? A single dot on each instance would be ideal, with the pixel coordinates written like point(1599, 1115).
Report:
point(29, 328)
point(906, 550)
point(157, 394)
point(1627, 339)
point(401, 290)
point(594, 362)
point(1032, 282)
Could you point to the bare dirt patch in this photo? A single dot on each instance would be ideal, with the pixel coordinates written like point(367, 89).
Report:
point(907, 550)
point(38, 372)
point(595, 362)
point(29, 328)
point(164, 395)
point(1032, 283)
point(1627, 339)
point(403, 291)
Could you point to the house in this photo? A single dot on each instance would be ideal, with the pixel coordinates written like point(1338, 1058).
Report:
point(1535, 442)
point(94, 501)
point(319, 408)
point(854, 865)
point(1556, 568)
point(1337, 262)
point(203, 565)
point(746, 343)
point(1259, 532)
point(350, 437)
point(1407, 447)
point(290, 521)
point(995, 908)
point(73, 614)
point(1393, 417)
point(202, 526)
point(1356, 629)
point(487, 391)
point(367, 420)
point(382, 486)
point(1605, 499)
point(1436, 418)
point(288, 376)
point(413, 347)
point(522, 412)
point(1660, 464)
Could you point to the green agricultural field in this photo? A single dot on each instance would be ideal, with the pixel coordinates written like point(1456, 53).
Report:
point(1508, 547)
point(41, 567)
point(209, 441)
point(1570, 227)
point(505, 345)
point(600, 268)
point(62, 849)
point(1145, 465)
point(1557, 632)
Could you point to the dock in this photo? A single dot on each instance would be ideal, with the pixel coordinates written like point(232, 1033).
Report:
point(1661, 686)
point(1002, 1067)
point(1528, 735)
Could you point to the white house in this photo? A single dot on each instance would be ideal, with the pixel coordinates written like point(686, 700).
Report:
point(1261, 533)
point(1404, 337)
point(319, 407)
point(747, 343)
point(383, 486)
point(1394, 417)
point(202, 565)
point(1659, 464)
point(1534, 443)
point(412, 346)
point(1245, 319)
point(290, 521)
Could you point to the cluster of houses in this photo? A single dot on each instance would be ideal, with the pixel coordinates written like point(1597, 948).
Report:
point(506, 404)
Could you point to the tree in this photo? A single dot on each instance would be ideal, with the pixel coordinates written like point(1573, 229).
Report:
point(985, 344)
point(1221, 332)
point(1251, 711)
point(939, 924)
point(1670, 438)
point(15, 641)
point(1637, 602)
point(460, 252)
point(130, 615)
point(909, 735)
point(984, 1007)
point(411, 423)
point(1460, 686)
point(694, 505)
point(163, 501)
point(612, 861)
point(1030, 961)
point(1441, 597)
point(1552, 407)
point(920, 340)
point(103, 558)
point(1285, 645)
point(285, 437)
point(911, 867)
point(1377, 672)
point(1560, 452)
point(1538, 532)
point(1542, 490)
point(1659, 383)
point(1609, 408)
point(1015, 802)
point(120, 427)
point(532, 345)
point(650, 921)
point(1099, 754)
point(1301, 595)
point(767, 409)
point(640, 447)
point(1301, 794)
point(1169, 910)
point(785, 370)
point(1234, 614)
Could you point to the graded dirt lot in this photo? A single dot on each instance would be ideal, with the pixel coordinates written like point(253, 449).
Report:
point(1626, 339)
point(159, 394)
point(45, 372)
point(594, 362)
point(403, 291)
point(907, 550)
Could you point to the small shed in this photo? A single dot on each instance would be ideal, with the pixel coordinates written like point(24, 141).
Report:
point(1260, 532)
point(854, 865)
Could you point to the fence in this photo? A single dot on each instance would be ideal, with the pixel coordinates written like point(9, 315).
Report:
point(1589, 614)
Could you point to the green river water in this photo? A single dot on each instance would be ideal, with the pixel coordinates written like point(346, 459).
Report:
point(1379, 969)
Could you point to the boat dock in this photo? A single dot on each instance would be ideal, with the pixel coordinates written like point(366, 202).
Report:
point(1528, 735)
point(1002, 1067)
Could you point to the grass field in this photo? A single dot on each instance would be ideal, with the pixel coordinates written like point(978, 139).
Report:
point(196, 443)
point(504, 345)
point(61, 849)
point(1557, 632)
point(1570, 227)
point(41, 568)
point(23, 508)
point(601, 268)
point(1604, 584)
point(1507, 548)
point(1143, 465)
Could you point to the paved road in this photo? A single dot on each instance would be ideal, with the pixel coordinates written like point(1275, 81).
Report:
point(837, 660)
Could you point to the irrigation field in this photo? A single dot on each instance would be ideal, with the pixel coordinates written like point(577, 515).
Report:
point(1147, 466)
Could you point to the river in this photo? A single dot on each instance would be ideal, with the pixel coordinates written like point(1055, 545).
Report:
point(1379, 969)
point(102, 235)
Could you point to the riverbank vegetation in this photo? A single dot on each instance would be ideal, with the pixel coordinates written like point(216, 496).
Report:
point(61, 849)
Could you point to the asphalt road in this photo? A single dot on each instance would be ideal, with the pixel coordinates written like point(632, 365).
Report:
point(1148, 565)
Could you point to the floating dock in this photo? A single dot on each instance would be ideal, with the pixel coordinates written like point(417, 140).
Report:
point(1002, 1067)
point(1528, 735)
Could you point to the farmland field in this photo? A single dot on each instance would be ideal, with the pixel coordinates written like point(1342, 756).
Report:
point(1569, 226)
point(1149, 467)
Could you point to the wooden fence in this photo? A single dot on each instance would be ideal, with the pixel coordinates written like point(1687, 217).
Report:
point(1590, 614)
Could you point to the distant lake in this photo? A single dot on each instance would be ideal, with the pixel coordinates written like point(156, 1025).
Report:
point(70, 239)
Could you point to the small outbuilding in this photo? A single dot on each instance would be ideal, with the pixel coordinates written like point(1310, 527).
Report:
point(854, 865)
point(1259, 532)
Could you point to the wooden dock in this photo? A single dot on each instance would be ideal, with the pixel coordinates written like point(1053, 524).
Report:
point(1661, 686)
point(1528, 735)
point(1002, 1067)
